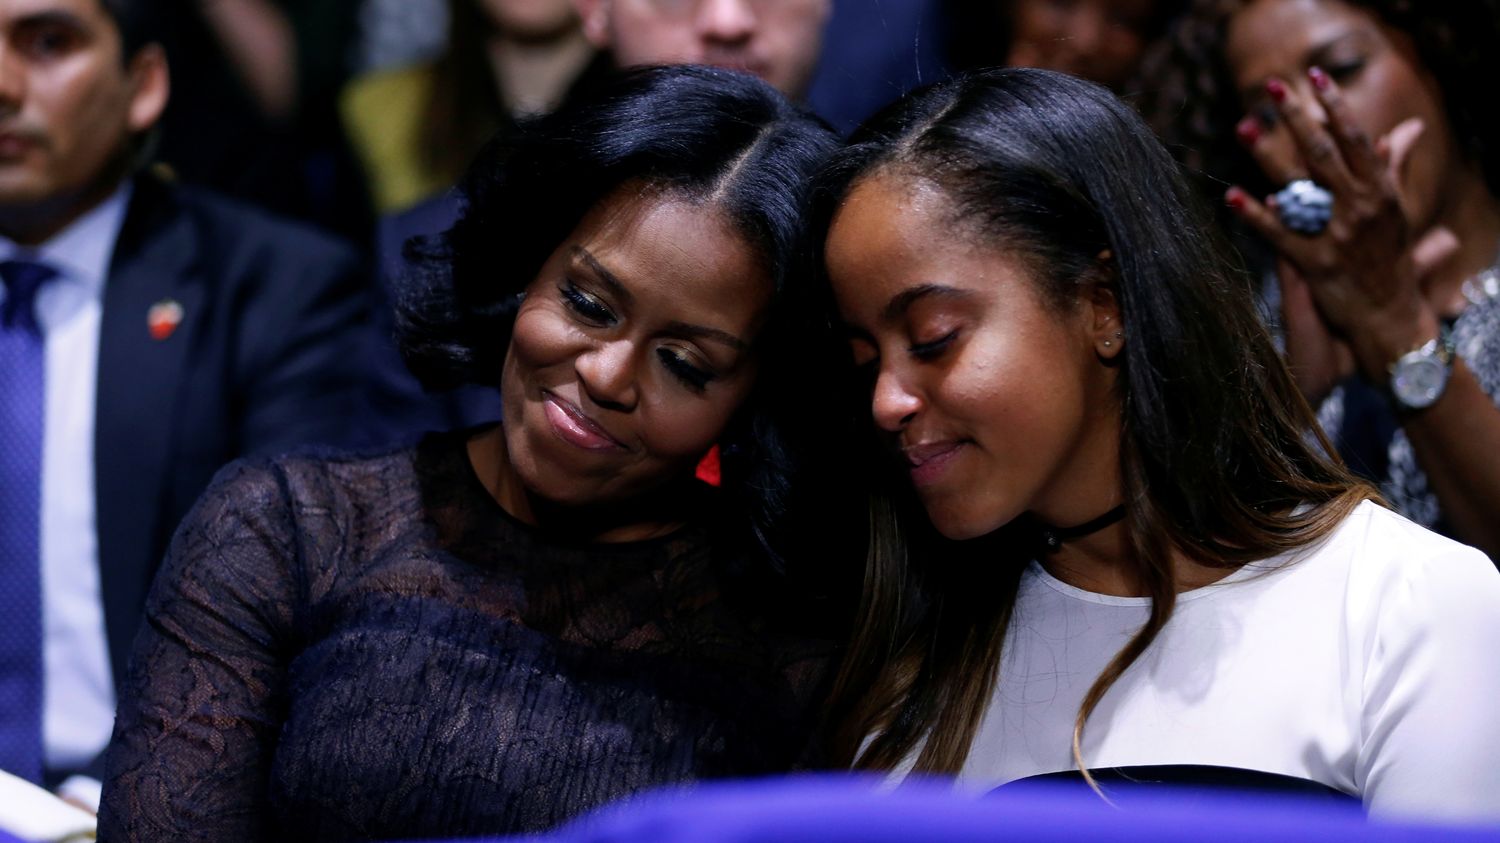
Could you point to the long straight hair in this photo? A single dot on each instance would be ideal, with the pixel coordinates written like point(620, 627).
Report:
point(1221, 458)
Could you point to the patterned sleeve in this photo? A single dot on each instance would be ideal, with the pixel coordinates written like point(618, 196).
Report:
point(201, 705)
point(1476, 339)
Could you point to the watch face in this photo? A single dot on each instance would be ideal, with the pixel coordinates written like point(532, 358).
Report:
point(1417, 380)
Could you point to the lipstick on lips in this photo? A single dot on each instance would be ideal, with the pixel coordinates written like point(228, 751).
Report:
point(928, 460)
point(572, 426)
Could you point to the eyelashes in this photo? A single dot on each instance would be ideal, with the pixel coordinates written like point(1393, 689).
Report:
point(933, 349)
point(585, 305)
point(691, 376)
point(866, 366)
point(1345, 70)
point(594, 312)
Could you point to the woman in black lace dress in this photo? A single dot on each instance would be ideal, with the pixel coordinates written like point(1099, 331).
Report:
point(498, 629)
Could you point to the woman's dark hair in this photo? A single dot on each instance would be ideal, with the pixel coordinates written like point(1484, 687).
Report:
point(1215, 458)
point(694, 132)
point(1191, 100)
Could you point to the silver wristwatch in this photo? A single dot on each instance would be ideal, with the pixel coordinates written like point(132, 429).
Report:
point(1419, 376)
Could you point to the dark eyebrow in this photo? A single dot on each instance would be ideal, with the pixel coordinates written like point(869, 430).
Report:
point(903, 301)
point(706, 333)
point(53, 17)
point(605, 276)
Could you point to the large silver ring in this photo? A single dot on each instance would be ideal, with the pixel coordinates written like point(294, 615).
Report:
point(1305, 207)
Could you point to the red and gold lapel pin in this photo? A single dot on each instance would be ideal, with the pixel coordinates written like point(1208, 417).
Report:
point(163, 318)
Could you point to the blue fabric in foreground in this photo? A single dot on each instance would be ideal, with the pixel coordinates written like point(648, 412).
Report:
point(835, 809)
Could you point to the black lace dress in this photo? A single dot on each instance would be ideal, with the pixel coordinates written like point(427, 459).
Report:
point(346, 648)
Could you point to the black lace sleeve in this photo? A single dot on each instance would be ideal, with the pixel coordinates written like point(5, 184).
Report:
point(201, 706)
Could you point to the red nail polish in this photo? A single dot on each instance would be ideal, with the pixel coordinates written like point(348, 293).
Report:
point(1319, 79)
point(1277, 89)
point(1248, 131)
point(1235, 198)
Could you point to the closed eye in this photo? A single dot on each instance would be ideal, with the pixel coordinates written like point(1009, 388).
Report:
point(587, 307)
point(933, 349)
point(678, 364)
point(1344, 72)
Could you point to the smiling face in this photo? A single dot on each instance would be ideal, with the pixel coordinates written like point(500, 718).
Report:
point(631, 350)
point(998, 401)
point(777, 40)
point(69, 104)
point(1377, 69)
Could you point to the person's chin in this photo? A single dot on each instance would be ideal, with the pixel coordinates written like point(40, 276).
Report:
point(961, 516)
point(959, 526)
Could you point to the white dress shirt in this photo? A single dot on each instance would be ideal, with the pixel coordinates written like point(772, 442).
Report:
point(78, 692)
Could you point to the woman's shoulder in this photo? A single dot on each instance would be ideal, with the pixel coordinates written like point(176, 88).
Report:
point(1382, 541)
point(1402, 576)
point(316, 476)
point(313, 500)
point(289, 516)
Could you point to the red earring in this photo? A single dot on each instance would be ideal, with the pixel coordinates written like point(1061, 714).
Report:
point(708, 467)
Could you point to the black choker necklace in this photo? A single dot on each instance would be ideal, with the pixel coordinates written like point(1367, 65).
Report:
point(1053, 537)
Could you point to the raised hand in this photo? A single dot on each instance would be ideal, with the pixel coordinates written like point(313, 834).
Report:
point(1364, 270)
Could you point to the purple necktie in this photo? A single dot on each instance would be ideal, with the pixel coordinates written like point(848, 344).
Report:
point(22, 404)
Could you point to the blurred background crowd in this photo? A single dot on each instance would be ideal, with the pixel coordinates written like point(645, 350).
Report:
point(339, 111)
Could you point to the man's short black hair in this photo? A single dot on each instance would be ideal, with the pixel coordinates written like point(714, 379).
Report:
point(139, 22)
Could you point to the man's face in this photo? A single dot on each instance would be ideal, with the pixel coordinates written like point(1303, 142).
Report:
point(69, 103)
point(777, 40)
point(530, 20)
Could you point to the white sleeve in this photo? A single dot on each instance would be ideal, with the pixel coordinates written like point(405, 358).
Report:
point(1430, 745)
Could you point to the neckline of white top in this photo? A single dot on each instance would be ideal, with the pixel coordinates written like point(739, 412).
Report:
point(1244, 572)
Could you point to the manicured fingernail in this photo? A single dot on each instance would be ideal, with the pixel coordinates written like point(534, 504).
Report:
point(1319, 79)
point(1277, 89)
point(1235, 198)
point(1248, 131)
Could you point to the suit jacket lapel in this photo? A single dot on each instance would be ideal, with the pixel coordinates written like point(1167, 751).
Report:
point(139, 378)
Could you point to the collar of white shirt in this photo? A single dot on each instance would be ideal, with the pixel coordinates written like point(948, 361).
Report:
point(81, 252)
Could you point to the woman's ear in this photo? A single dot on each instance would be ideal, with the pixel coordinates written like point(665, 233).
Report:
point(1102, 310)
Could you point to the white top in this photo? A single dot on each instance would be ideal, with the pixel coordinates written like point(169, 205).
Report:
point(78, 692)
point(1369, 662)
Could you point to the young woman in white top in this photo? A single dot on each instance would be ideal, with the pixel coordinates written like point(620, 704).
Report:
point(1143, 557)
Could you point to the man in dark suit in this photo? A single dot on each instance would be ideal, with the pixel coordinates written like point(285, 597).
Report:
point(148, 334)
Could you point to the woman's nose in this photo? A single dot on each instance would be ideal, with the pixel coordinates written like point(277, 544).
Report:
point(607, 373)
point(894, 404)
